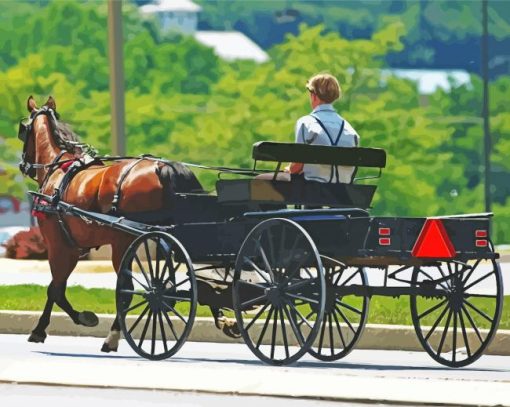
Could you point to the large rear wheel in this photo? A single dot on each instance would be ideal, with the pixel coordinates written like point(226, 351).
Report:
point(279, 291)
point(456, 327)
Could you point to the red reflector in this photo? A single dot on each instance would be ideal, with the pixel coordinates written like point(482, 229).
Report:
point(384, 241)
point(481, 243)
point(433, 241)
point(481, 233)
point(384, 231)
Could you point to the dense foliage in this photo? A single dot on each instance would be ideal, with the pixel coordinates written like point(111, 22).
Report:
point(184, 103)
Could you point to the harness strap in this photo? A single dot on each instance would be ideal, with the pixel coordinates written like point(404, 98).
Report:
point(334, 168)
point(118, 193)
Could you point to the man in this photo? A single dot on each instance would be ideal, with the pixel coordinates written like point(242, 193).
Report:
point(324, 126)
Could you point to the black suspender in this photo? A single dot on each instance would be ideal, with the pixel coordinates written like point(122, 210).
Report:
point(334, 168)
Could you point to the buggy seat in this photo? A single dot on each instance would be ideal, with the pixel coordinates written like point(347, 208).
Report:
point(301, 192)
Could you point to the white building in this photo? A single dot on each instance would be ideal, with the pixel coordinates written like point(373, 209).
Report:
point(181, 16)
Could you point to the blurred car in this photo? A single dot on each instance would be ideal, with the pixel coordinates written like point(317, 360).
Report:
point(6, 233)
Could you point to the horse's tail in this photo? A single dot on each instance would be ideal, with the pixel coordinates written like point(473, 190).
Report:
point(176, 177)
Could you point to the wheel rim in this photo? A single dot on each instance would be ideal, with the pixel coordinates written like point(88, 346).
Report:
point(156, 295)
point(344, 317)
point(279, 280)
point(455, 328)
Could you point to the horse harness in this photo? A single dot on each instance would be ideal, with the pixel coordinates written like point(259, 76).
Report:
point(70, 167)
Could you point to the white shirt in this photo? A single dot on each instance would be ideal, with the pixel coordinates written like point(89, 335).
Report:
point(309, 131)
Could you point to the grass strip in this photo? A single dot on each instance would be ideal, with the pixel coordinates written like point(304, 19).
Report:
point(383, 310)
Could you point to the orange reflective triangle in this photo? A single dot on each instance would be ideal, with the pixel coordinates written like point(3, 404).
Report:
point(433, 241)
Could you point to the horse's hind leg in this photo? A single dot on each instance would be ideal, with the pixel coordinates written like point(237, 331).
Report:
point(111, 343)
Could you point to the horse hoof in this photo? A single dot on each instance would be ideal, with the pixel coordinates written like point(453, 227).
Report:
point(106, 348)
point(88, 318)
point(232, 330)
point(36, 337)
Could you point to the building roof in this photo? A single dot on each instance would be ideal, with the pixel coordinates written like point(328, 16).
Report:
point(171, 5)
point(429, 80)
point(232, 45)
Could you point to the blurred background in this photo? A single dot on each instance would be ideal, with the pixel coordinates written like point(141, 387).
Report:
point(206, 79)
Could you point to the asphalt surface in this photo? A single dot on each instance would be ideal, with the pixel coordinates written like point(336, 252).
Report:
point(230, 369)
point(22, 395)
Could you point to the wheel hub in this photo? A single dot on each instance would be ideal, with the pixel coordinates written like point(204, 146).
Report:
point(274, 295)
point(456, 298)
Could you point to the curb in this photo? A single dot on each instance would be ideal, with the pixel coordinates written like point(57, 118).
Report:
point(378, 337)
point(83, 266)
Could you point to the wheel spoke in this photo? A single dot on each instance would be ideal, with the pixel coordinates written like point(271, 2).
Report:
point(300, 284)
point(261, 287)
point(163, 333)
point(264, 328)
point(480, 279)
point(470, 318)
point(153, 338)
point(464, 333)
point(149, 260)
point(273, 335)
point(249, 303)
point(157, 258)
point(321, 337)
point(303, 319)
point(331, 342)
point(339, 328)
point(445, 309)
point(256, 268)
point(345, 319)
point(267, 266)
point(445, 331)
point(297, 332)
point(256, 317)
point(467, 295)
point(132, 292)
point(483, 314)
point(432, 309)
point(138, 319)
point(174, 311)
point(284, 334)
point(300, 297)
point(340, 273)
point(468, 275)
point(178, 285)
point(142, 269)
point(170, 324)
point(432, 279)
point(130, 274)
point(176, 298)
point(125, 311)
point(145, 327)
point(358, 270)
point(349, 307)
point(454, 340)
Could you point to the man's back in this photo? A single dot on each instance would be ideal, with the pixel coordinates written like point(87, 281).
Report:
point(325, 127)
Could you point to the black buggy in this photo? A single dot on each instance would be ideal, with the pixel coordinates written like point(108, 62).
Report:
point(292, 261)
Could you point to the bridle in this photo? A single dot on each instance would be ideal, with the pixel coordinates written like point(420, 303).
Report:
point(26, 129)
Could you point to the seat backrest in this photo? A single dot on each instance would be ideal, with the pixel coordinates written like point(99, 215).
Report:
point(315, 154)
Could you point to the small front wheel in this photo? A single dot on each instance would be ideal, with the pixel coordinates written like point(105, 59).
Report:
point(156, 295)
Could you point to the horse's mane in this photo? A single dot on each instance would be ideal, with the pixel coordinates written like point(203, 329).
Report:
point(66, 138)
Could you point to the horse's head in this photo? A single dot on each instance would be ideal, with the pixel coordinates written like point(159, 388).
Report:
point(29, 130)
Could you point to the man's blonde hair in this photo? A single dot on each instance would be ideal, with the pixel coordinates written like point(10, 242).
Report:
point(325, 86)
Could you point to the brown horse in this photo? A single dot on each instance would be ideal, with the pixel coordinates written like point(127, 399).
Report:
point(48, 142)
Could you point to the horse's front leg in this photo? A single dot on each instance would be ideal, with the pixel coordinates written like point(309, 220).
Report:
point(38, 334)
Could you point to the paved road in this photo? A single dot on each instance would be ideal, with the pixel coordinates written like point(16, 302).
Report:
point(14, 395)
point(384, 376)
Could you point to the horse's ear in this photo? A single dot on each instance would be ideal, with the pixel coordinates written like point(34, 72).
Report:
point(31, 105)
point(51, 104)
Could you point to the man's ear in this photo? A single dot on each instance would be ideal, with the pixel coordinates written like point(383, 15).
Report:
point(31, 105)
point(51, 103)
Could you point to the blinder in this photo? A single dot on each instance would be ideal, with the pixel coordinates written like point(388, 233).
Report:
point(25, 127)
